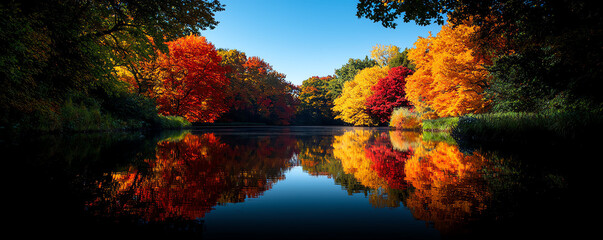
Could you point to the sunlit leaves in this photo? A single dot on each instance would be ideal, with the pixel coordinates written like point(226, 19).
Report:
point(384, 53)
point(404, 118)
point(346, 73)
point(351, 105)
point(450, 77)
point(192, 81)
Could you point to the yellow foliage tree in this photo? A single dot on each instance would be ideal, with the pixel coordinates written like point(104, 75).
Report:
point(383, 53)
point(450, 77)
point(351, 105)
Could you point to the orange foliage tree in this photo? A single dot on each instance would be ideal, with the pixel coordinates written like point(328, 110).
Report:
point(450, 77)
point(315, 105)
point(192, 83)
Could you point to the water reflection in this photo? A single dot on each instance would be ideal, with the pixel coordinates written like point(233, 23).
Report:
point(192, 174)
point(449, 188)
point(176, 180)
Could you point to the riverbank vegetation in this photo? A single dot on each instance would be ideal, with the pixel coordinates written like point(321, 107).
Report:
point(108, 65)
point(500, 70)
point(61, 60)
point(503, 71)
point(496, 72)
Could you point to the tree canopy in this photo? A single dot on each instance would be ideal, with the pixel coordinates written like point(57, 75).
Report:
point(54, 52)
point(315, 105)
point(450, 78)
point(562, 39)
point(389, 93)
point(192, 83)
point(346, 73)
point(257, 93)
point(351, 105)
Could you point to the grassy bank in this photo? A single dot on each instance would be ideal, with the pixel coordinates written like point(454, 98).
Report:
point(440, 124)
point(406, 119)
point(528, 128)
point(72, 117)
point(510, 128)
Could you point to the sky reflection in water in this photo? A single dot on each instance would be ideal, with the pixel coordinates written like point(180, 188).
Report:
point(313, 182)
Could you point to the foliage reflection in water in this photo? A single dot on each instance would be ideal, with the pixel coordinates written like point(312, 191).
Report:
point(195, 172)
point(179, 182)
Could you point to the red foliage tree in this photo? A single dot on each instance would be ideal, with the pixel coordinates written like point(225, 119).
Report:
point(274, 100)
point(388, 93)
point(192, 81)
point(257, 92)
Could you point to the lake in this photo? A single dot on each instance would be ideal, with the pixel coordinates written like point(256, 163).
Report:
point(292, 183)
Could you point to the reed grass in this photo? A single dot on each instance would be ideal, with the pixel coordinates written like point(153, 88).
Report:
point(526, 127)
point(172, 122)
point(440, 124)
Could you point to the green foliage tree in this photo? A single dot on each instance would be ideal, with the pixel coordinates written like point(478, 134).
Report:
point(315, 106)
point(54, 51)
point(346, 73)
point(522, 83)
point(401, 59)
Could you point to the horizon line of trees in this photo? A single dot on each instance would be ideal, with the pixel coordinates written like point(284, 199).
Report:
point(90, 65)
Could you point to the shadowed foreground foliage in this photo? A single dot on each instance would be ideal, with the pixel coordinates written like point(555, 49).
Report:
point(58, 59)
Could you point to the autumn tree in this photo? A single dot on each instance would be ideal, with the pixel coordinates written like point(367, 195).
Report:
point(56, 51)
point(532, 39)
point(142, 76)
point(382, 54)
point(315, 106)
point(351, 105)
point(388, 93)
point(192, 81)
point(258, 93)
point(240, 95)
point(450, 78)
point(401, 59)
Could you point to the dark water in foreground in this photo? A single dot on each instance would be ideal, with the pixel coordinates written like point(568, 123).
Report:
point(292, 182)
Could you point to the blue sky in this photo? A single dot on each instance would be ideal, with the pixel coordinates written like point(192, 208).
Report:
point(305, 38)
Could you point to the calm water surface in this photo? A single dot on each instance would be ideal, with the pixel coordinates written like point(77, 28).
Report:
point(288, 183)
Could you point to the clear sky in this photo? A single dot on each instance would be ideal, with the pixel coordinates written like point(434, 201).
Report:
point(305, 38)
